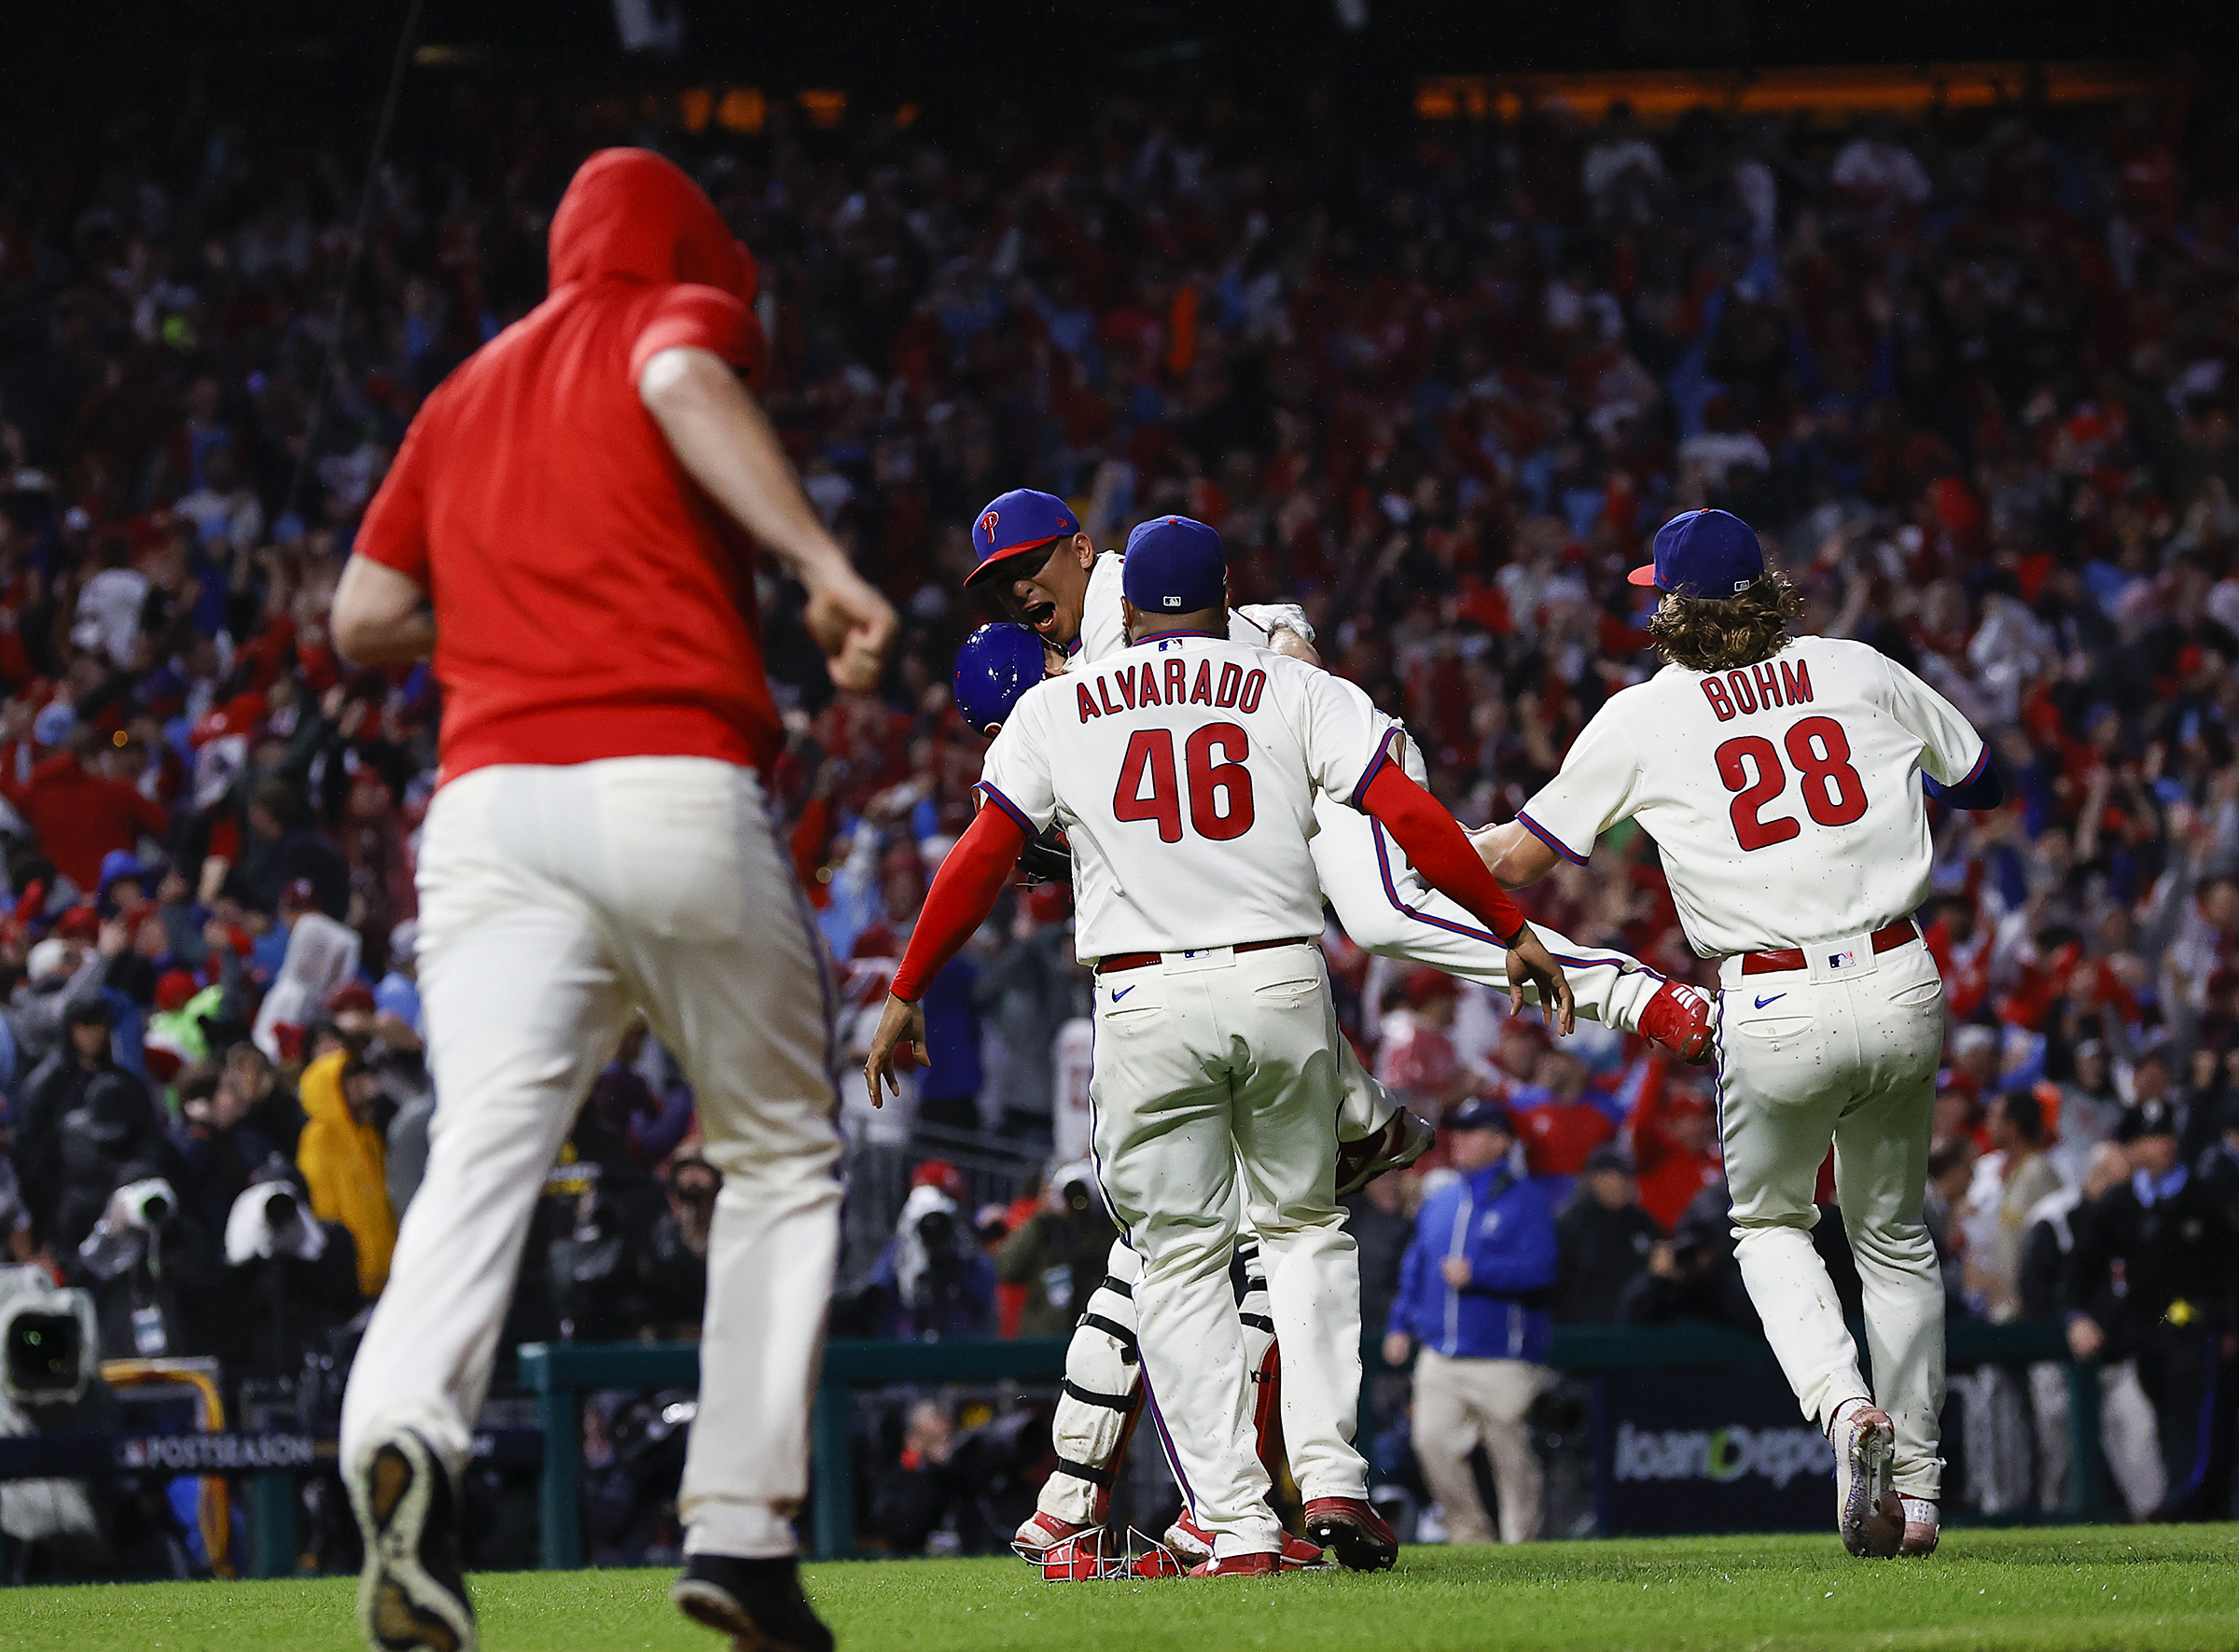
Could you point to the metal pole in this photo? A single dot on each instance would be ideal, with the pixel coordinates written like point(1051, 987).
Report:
point(559, 1500)
point(832, 1473)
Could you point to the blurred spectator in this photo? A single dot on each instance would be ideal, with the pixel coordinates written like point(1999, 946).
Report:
point(1603, 1239)
point(53, 1092)
point(1383, 1226)
point(1559, 1125)
point(1415, 1052)
point(1474, 1289)
point(81, 813)
point(1059, 1252)
point(1675, 1149)
point(2126, 1424)
point(289, 1281)
point(935, 1281)
point(1692, 1275)
point(399, 994)
point(342, 1159)
point(2090, 1106)
point(1023, 994)
point(2150, 1278)
point(2019, 1177)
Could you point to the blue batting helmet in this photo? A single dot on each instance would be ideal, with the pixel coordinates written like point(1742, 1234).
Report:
point(996, 665)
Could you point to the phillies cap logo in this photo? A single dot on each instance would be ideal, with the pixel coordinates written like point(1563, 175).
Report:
point(987, 527)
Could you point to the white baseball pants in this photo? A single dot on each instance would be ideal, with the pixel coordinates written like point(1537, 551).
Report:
point(1215, 1087)
point(552, 902)
point(1846, 1053)
point(1386, 908)
point(1101, 1358)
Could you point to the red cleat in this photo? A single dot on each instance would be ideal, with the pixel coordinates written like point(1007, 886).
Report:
point(1363, 1539)
point(1300, 1555)
point(1190, 1540)
point(1043, 1532)
point(1682, 1019)
point(1241, 1565)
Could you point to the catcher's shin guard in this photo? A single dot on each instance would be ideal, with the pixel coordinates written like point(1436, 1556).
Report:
point(1096, 1413)
point(1263, 1358)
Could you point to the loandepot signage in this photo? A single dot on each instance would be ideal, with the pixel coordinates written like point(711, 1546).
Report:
point(1721, 1455)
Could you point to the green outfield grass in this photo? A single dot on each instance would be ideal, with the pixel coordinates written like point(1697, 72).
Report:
point(2093, 1590)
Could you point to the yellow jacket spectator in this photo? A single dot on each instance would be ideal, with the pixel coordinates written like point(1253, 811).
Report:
point(344, 1162)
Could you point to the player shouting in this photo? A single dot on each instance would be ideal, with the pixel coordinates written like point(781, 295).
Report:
point(600, 843)
point(1050, 574)
point(1778, 776)
point(1185, 771)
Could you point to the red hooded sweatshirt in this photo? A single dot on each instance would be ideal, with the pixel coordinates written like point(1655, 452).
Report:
point(590, 600)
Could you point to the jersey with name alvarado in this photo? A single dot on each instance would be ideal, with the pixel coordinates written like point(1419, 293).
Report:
point(1184, 770)
point(1785, 797)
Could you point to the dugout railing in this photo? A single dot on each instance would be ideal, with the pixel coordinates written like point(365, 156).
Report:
point(560, 1374)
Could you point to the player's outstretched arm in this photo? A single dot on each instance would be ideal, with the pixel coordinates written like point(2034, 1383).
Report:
point(722, 439)
point(964, 893)
point(1512, 854)
point(1436, 845)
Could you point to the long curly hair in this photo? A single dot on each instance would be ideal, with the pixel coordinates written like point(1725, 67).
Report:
point(1721, 633)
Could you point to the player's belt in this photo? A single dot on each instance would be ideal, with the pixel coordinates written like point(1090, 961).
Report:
point(1119, 960)
point(1884, 940)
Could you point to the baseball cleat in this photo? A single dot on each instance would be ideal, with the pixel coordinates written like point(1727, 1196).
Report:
point(1041, 1532)
point(757, 1602)
point(1188, 1540)
point(1403, 1139)
point(1300, 1555)
point(1867, 1510)
point(413, 1594)
point(1681, 1019)
point(1363, 1540)
point(1241, 1565)
point(1923, 1526)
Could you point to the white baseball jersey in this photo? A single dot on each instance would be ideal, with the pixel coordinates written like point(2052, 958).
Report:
point(1185, 771)
point(1782, 796)
point(1103, 627)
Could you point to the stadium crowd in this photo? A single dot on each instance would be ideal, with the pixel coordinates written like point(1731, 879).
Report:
point(1974, 377)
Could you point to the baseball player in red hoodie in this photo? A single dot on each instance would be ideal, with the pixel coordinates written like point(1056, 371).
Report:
point(568, 531)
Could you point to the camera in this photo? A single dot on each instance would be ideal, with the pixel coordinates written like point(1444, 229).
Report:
point(282, 1210)
point(49, 1341)
point(149, 1204)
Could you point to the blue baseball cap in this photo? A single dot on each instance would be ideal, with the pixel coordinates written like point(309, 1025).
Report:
point(1704, 553)
point(1014, 524)
point(996, 665)
point(1175, 566)
point(1481, 1114)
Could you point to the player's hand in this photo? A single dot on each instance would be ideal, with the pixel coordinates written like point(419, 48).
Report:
point(900, 1023)
point(853, 624)
point(1530, 964)
point(1455, 1271)
point(2085, 1338)
point(1398, 1345)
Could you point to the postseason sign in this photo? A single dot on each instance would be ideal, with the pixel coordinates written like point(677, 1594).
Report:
point(1711, 1450)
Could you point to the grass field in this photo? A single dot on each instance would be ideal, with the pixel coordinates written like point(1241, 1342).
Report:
point(2105, 1590)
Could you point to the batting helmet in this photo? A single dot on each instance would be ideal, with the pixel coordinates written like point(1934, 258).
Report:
point(996, 665)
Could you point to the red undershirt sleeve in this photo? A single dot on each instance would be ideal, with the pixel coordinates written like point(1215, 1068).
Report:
point(964, 893)
point(1435, 845)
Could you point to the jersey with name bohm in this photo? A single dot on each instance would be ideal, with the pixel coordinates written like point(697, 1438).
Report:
point(1785, 797)
point(1184, 770)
